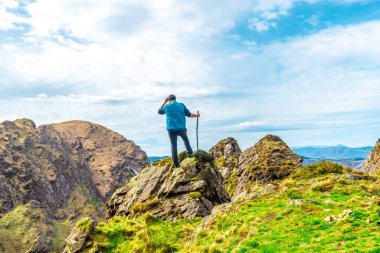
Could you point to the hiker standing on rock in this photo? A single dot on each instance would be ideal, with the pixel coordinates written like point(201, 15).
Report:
point(176, 124)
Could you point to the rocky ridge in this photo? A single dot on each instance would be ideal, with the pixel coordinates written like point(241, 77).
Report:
point(191, 190)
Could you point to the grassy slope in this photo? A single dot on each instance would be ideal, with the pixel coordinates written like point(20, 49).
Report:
point(267, 223)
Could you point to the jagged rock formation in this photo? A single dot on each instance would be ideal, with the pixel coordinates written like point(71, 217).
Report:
point(48, 162)
point(269, 159)
point(172, 193)
point(78, 236)
point(226, 153)
point(372, 163)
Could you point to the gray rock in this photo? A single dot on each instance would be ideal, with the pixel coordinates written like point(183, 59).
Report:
point(268, 160)
point(372, 163)
point(78, 236)
point(299, 202)
point(269, 188)
point(171, 193)
point(226, 153)
point(344, 215)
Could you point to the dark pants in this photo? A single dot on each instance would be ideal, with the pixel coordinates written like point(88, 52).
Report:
point(173, 141)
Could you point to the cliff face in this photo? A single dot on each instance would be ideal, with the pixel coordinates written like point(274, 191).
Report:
point(372, 163)
point(49, 162)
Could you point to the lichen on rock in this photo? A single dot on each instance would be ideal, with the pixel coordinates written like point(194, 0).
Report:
point(226, 153)
point(78, 236)
point(191, 190)
point(269, 159)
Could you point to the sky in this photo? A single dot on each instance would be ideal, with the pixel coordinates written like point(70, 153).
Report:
point(306, 70)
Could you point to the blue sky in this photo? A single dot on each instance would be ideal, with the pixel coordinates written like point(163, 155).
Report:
point(306, 70)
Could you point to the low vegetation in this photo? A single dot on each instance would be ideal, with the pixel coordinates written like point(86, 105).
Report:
point(290, 219)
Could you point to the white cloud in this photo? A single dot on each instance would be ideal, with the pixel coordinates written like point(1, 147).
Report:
point(42, 95)
point(245, 125)
point(113, 61)
point(260, 25)
point(9, 20)
point(266, 14)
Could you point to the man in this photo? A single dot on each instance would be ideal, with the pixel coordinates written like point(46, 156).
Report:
point(176, 124)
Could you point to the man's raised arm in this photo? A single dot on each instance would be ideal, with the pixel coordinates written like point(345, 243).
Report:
point(161, 110)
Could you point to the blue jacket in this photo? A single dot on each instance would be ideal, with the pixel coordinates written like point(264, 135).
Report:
point(175, 115)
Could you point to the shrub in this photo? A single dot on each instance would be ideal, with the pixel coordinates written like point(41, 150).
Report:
point(182, 156)
point(318, 169)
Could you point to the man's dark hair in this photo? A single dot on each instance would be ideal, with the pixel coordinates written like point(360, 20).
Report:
point(172, 97)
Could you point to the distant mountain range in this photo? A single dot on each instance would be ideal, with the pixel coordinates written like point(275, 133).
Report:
point(351, 157)
point(357, 163)
point(339, 152)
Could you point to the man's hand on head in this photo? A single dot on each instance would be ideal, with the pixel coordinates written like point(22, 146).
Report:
point(165, 101)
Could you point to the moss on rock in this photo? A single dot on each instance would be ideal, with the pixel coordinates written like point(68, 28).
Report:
point(176, 190)
point(269, 159)
point(182, 156)
point(25, 229)
point(84, 224)
point(203, 156)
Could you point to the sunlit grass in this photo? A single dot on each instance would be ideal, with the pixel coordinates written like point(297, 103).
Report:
point(290, 220)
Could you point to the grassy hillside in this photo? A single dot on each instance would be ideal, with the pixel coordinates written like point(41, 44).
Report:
point(303, 213)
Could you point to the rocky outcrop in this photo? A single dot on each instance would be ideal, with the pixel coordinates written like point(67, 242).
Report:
point(372, 163)
point(78, 236)
point(49, 162)
point(26, 229)
point(269, 159)
point(226, 153)
point(191, 190)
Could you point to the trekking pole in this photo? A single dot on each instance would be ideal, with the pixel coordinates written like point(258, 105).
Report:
point(197, 130)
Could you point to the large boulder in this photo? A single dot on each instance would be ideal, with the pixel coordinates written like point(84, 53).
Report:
point(268, 160)
point(372, 163)
point(170, 193)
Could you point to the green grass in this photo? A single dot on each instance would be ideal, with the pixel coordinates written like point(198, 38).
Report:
point(264, 224)
point(144, 234)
